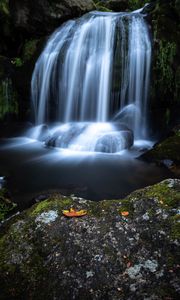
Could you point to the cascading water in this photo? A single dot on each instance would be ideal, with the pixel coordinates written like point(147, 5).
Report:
point(93, 77)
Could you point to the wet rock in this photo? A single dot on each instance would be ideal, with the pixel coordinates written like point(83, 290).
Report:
point(167, 153)
point(62, 137)
point(40, 133)
point(103, 255)
point(46, 15)
point(114, 142)
point(107, 138)
point(114, 5)
point(2, 182)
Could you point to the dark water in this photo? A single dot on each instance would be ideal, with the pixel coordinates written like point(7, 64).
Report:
point(32, 169)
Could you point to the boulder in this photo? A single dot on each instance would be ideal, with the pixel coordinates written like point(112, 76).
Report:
point(166, 152)
point(103, 255)
point(115, 141)
point(41, 17)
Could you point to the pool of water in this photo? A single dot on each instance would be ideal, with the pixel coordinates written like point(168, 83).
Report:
point(33, 169)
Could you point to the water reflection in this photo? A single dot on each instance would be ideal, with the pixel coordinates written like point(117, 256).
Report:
point(33, 168)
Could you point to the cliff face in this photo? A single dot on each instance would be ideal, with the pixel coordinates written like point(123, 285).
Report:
point(165, 82)
point(41, 17)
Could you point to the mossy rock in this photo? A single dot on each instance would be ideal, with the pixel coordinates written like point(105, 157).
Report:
point(166, 151)
point(102, 255)
point(136, 4)
point(29, 49)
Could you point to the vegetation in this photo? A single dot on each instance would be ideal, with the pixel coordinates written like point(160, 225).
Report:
point(6, 205)
point(165, 59)
point(4, 7)
point(135, 4)
point(8, 99)
point(29, 49)
point(17, 61)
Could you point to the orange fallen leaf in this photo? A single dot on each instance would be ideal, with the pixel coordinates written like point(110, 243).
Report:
point(74, 213)
point(124, 213)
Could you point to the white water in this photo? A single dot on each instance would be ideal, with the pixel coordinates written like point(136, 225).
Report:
point(95, 70)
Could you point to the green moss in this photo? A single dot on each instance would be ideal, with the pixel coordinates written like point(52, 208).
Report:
point(6, 205)
point(29, 49)
point(55, 202)
point(168, 149)
point(166, 195)
point(95, 209)
point(4, 7)
point(98, 209)
point(20, 258)
point(175, 227)
point(165, 83)
point(8, 99)
point(135, 4)
point(127, 205)
point(17, 61)
point(100, 7)
point(165, 59)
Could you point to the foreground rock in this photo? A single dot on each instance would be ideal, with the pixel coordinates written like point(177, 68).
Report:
point(103, 255)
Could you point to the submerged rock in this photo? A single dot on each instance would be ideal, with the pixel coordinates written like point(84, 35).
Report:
point(115, 141)
point(103, 255)
point(93, 137)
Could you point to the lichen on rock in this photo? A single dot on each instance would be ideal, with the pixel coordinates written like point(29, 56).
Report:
point(102, 255)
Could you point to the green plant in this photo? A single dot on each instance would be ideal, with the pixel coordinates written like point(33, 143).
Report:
point(4, 7)
point(17, 61)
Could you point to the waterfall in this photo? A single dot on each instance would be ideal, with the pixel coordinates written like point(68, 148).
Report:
point(93, 71)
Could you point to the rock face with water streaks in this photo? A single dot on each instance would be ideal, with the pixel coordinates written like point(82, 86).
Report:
point(45, 255)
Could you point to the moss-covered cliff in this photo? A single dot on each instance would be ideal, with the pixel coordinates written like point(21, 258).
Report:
point(165, 84)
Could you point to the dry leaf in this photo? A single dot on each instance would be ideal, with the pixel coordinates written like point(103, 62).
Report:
point(74, 213)
point(124, 213)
